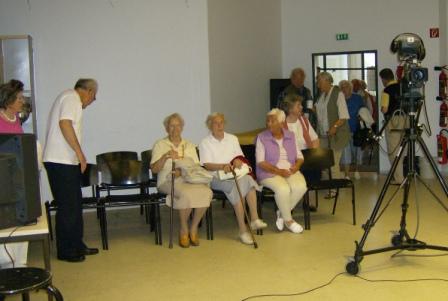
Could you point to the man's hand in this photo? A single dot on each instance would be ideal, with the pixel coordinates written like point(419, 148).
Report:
point(82, 162)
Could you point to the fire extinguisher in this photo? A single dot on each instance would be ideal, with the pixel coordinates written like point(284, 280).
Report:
point(443, 84)
point(399, 72)
point(442, 147)
point(443, 120)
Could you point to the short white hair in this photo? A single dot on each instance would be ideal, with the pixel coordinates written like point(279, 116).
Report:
point(277, 113)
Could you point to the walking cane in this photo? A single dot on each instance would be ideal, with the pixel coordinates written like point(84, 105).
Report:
point(173, 170)
point(244, 207)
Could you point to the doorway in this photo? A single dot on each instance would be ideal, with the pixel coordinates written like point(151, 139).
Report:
point(349, 65)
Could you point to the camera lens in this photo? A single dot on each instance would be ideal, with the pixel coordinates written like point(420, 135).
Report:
point(418, 75)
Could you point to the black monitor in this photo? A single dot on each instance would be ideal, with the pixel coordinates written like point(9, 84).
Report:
point(20, 202)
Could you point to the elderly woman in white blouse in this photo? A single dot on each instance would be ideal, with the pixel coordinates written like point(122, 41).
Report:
point(278, 168)
point(218, 152)
point(186, 195)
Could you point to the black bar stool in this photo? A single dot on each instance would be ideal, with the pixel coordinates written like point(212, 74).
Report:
point(23, 280)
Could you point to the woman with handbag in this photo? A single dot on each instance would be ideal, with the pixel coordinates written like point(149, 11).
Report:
point(278, 168)
point(352, 154)
point(221, 152)
point(187, 196)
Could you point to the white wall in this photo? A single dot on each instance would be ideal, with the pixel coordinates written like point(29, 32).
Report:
point(245, 52)
point(149, 57)
point(309, 26)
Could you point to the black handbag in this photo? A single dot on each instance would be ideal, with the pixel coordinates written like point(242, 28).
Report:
point(362, 135)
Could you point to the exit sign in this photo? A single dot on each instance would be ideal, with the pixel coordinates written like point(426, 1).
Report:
point(341, 36)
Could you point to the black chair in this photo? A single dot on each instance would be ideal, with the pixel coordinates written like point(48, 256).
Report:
point(322, 159)
point(25, 280)
point(121, 172)
point(88, 178)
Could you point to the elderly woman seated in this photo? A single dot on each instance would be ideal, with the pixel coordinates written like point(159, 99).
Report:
point(219, 152)
point(278, 168)
point(186, 195)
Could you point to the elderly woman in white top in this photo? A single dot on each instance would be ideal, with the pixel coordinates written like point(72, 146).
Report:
point(278, 168)
point(332, 116)
point(218, 152)
point(186, 195)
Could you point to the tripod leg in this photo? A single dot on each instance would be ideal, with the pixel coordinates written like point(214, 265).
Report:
point(370, 222)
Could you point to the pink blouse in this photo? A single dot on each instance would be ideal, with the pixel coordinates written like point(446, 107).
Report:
point(8, 127)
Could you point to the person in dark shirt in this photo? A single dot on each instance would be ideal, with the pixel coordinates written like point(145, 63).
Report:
point(397, 120)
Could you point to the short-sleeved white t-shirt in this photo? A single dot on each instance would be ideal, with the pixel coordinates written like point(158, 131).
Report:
point(67, 106)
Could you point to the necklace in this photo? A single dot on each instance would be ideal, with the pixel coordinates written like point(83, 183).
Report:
point(7, 117)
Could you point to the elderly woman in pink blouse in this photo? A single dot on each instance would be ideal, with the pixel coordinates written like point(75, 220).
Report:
point(11, 103)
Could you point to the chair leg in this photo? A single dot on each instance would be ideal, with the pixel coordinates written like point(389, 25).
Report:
point(104, 222)
point(306, 211)
point(26, 296)
point(158, 223)
point(353, 205)
point(260, 213)
point(50, 227)
point(53, 291)
point(210, 223)
point(335, 201)
point(317, 198)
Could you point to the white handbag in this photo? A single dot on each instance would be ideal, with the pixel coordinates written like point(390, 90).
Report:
point(244, 170)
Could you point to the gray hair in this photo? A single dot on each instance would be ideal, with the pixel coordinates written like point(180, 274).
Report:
point(88, 84)
point(289, 101)
point(277, 113)
point(297, 71)
point(345, 83)
point(167, 120)
point(209, 120)
point(325, 76)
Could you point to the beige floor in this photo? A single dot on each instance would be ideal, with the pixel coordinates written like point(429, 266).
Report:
point(224, 269)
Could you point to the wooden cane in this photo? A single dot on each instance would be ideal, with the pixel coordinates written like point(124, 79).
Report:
point(244, 207)
point(173, 170)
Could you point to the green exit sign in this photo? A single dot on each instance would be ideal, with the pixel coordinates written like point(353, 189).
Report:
point(341, 36)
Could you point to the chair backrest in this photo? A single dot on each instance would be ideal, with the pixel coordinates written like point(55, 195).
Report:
point(122, 172)
point(146, 164)
point(317, 158)
point(115, 156)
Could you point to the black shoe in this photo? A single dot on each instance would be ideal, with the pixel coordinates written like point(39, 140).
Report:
point(78, 258)
point(313, 208)
point(90, 251)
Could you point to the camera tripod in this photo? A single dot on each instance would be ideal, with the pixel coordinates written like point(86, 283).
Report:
point(402, 240)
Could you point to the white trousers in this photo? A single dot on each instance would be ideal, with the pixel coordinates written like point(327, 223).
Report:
point(288, 192)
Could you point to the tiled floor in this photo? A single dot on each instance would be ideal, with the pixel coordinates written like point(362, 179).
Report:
point(223, 269)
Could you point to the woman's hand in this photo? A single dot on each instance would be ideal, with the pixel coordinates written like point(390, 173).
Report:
point(227, 168)
point(172, 154)
point(284, 173)
point(237, 163)
point(332, 131)
point(177, 172)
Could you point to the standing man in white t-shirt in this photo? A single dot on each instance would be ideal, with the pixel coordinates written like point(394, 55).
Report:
point(64, 161)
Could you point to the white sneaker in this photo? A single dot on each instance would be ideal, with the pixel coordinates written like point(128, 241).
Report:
point(280, 223)
point(294, 227)
point(357, 175)
point(258, 224)
point(246, 238)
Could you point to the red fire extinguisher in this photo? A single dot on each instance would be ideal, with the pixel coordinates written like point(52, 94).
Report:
point(443, 120)
point(443, 83)
point(442, 147)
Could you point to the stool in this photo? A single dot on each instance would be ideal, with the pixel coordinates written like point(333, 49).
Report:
point(23, 280)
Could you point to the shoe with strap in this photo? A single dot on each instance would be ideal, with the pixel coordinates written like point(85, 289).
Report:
point(246, 238)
